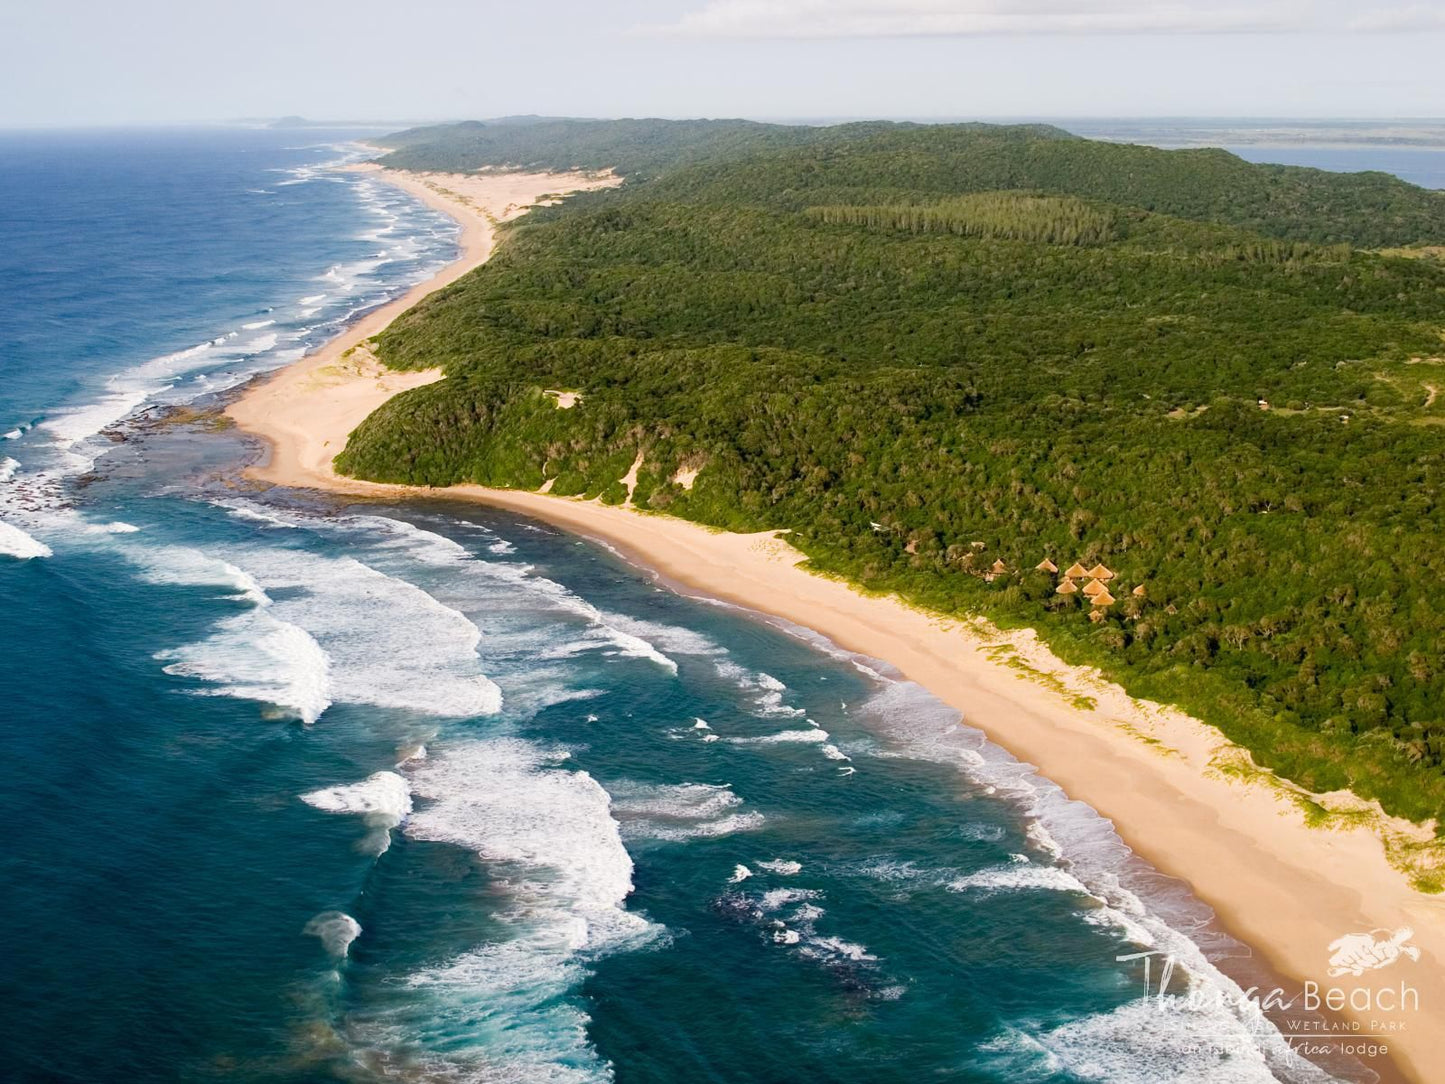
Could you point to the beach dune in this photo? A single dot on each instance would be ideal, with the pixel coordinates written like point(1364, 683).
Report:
point(1176, 790)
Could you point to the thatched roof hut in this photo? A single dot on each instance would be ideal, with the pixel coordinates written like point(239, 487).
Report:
point(1096, 616)
point(1067, 587)
point(1103, 598)
point(999, 568)
point(1094, 587)
point(1099, 572)
point(1076, 571)
point(1140, 592)
point(1046, 566)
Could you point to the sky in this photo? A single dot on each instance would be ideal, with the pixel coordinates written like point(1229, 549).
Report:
point(117, 62)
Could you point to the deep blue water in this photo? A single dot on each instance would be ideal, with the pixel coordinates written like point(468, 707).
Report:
point(1316, 144)
point(301, 791)
point(1424, 166)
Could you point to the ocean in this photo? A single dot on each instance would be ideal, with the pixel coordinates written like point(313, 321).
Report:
point(299, 789)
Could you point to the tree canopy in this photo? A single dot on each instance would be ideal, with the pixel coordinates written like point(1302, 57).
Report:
point(928, 349)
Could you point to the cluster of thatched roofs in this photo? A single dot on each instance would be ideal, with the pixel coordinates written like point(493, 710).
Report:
point(1092, 583)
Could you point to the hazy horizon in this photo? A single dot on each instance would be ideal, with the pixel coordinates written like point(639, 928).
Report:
point(1433, 126)
point(157, 62)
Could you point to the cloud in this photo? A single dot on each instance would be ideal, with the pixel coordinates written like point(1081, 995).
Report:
point(1400, 19)
point(970, 18)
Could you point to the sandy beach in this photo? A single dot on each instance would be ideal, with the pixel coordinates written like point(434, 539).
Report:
point(341, 380)
point(1177, 791)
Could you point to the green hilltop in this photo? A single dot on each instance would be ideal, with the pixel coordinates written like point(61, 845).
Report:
point(925, 349)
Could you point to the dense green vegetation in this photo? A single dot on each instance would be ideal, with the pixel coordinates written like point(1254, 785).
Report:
point(916, 403)
point(632, 147)
point(1054, 220)
point(877, 163)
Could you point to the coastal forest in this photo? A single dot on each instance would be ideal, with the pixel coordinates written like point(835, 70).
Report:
point(942, 355)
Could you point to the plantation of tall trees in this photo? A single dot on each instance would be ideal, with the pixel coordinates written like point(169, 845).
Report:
point(1055, 220)
point(920, 376)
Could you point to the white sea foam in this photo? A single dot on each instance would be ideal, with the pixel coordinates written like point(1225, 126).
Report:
point(18, 544)
point(1040, 838)
point(127, 390)
point(1020, 877)
point(341, 631)
point(688, 800)
point(8, 467)
point(1114, 919)
point(674, 639)
point(229, 357)
point(775, 899)
point(180, 376)
point(113, 527)
point(740, 874)
point(168, 365)
point(803, 737)
point(505, 1012)
point(416, 543)
point(790, 917)
point(766, 691)
point(784, 867)
point(73, 424)
point(680, 811)
point(548, 837)
point(899, 871)
point(1082, 856)
point(606, 632)
point(988, 833)
point(255, 656)
point(252, 514)
point(628, 646)
point(390, 643)
point(1137, 1042)
point(837, 948)
point(336, 930)
point(382, 800)
point(512, 803)
point(183, 566)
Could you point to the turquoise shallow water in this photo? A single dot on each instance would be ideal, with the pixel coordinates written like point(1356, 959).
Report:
point(302, 791)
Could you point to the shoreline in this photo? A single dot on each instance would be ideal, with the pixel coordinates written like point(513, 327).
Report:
point(346, 381)
point(1242, 845)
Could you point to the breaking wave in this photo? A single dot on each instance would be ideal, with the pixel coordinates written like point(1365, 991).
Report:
point(336, 930)
point(22, 546)
point(382, 800)
point(679, 812)
point(339, 631)
point(255, 656)
point(510, 1009)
